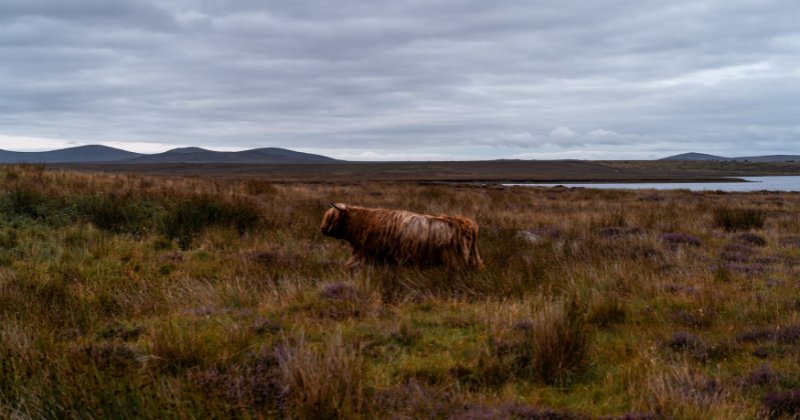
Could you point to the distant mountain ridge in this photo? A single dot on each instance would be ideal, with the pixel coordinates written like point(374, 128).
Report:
point(107, 155)
point(92, 153)
point(703, 156)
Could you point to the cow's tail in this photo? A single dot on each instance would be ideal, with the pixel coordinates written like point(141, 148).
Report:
point(474, 258)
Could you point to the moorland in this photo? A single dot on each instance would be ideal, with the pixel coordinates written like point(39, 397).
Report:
point(480, 171)
point(133, 296)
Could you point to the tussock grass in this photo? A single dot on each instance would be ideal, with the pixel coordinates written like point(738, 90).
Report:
point(196, 297)
point(328, 384)
point(732, 219)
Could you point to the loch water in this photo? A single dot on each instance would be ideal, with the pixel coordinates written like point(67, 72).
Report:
point(756, 183)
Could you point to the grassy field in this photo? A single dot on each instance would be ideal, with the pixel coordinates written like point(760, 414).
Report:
point(481, 171)
point(129, 296)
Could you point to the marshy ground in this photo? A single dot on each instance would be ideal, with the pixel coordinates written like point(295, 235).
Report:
point(129, 296)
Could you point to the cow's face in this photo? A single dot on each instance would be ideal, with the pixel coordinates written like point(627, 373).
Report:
point(333, 221)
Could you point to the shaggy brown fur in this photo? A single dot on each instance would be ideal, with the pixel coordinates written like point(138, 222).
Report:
point(392, 236)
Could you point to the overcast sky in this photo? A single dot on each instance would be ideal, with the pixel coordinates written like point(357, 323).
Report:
point(410, 79)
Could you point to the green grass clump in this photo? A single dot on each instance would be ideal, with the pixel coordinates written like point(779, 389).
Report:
point(732, 219)
point(116, 213)
point(188, 218)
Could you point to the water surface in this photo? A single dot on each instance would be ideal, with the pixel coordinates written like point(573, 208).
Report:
point(758, 183)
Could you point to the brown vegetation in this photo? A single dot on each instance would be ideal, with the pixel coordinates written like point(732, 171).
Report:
point(134, 296)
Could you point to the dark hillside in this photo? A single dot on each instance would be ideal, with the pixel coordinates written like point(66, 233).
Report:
point(92, 153)
point(254, 156)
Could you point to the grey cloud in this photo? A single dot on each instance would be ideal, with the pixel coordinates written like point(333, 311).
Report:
point(401, 76)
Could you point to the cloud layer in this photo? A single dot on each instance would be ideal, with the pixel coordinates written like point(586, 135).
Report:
point(412, 78)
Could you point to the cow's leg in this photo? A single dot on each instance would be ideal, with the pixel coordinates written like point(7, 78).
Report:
point(356, 261)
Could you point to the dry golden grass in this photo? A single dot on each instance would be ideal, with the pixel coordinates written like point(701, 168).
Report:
point(106, 313)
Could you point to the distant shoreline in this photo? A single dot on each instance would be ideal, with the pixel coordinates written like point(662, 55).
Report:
point(519, 172)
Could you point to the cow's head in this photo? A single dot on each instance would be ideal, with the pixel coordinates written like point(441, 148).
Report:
point(333, 223)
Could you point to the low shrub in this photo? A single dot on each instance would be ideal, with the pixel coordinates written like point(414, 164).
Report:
point(733, 219)
point(116, 213)
point(530, 412)
point(680, 239)
point(785, 335)
point(683, 341)
point(26, 201)
point(781, 404)
point(746, 269)
point(188, 218)
point(340, 301)
point(752, 239)
point(254, 384)
point(763, 376)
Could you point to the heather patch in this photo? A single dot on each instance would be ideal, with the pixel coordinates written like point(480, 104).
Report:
point(734, 256)
point(785, 335)
point(414, 399)
point(171, 257)
point(761, 353)
point(614, 231)
point(780, 404)
point(644, 251)
point(675, 239)
point(675, 288)
point(341, 301)
point(700, 351)
point(208, 311)
point(268, 258)
point(684, 341)
point(520, 411)
point(652, 198)
point(706, 391)
point(751, 239)
point(763, 376)
point(746, 269)
point(108, 355)
point(255, 383)
point(523, 325)
point(266, 326)
point(769, 259)
point(739, 248)
point(702, 318)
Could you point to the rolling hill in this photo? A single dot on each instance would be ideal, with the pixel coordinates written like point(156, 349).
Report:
point(110, 155)
point(703, 156)
point(80, 154)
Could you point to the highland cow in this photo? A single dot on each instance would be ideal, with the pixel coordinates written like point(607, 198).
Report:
point(399, 237)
